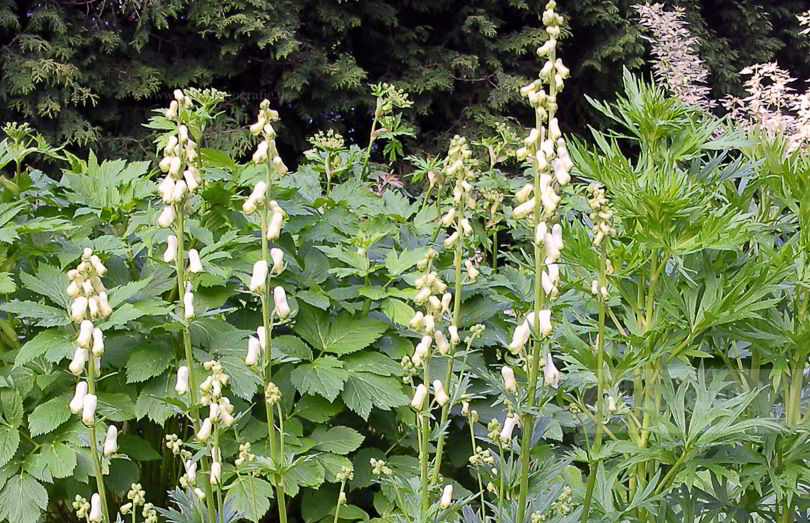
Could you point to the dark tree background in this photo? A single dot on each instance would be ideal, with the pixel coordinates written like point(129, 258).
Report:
point(89, 72)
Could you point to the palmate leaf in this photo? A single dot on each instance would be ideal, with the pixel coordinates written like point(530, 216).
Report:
point(42, 315)
point(364, 390)
point(341, 335)
point(325, 377)
point(249, 496)
point(22, 499)
point(108, 185)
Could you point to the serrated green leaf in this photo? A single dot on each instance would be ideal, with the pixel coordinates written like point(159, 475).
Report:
point(132, 311)
point(373, 362)
point(48, 416)
point(364, 390)
point(115, 406)
point(397, 264)
point(250, 496)
point(148, 361)
point(12, 407)
point(45, 315)
point(151, 401)
point(324, 376)
point(49, 282)
point(292, 347)
point(120, 294)
point(340, 440)
point(22, 499)
point(397, 311)
point(137, 448)
point(43, 342)
point(349, 334)
point(7, 285)
point(244, 382)
point(316, 408)
point(305, 472)
point(60, 459)
point(9, 441)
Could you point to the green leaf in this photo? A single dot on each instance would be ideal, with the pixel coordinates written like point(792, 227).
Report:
point(148, 361)
point(396, 265)
point(43, 342)
point(151, 401)
point(12, 407)
point(120, 294)
point(48, 416)
point(292, 347)
point(244, 382)
point(397, 311)
point(115, 406)
point(23, 499)
point(306, 472)
point(316, 408)
point(45, 315)
point(324, 376)
point(250, 496)
point(60, 458)
point(340, 440)
point(137, 448)
point(364, 390)
point(315, 299)
point(349, 334)
point(9, 441)
point(132, 311)
point(373, 362)
point(7, 285)
point(49, 282)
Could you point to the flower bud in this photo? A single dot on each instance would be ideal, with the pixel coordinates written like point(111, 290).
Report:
point(447, 496)
point(85, 334)
point(448, 217)
point(249, 206)
point(111, 441)
point(174, 167)
point(418, 400)
point(422, 296)
point(611, 401)
point(472, 271)
point(274, 228)
point(188, 305)
point(551, 376)
point(278, 163)
point(554, 129)
point(191, 470)
point(77, 364)
point(73, 290)
point(445, 302)
point(439, 393)
point(89, 409)
point(466, 228)
point(95, 508)
point(205, 430)
point(429, 324)
point(78, 309)
point(259, 277)
point(441, 342)
point(523, 194)
point(280, 299)
point(181, 387)
point(454, 338)
point(451, 240)
point(416, 321)
point(98, 342)
point(104, 305)
point(509, 382)
point(524, 209)
point(254, 348)
point(260, 333)
point(179, 191)
point(547, 283)
point(77, 403)
point(508, 426)
point(166, 217)
point(216, 472)
point(547, 47)
point(258, 192)
point(519, 338)
point(191, 178)
point(194, 262)
point(171, 249)
point(260, 155)
point(92, 305)
point(277, 255)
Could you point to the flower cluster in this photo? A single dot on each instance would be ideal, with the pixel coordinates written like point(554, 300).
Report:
point(482, 457)
point(136, 496)
point(179, 158)
point(602, 218)
point(220, 407)
point(267, 147)
point(379, 468)
point(245, 456)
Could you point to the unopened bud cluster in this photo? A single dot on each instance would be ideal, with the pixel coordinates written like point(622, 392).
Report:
point(379, 468)
point(245, 456)
point(601, 215)
point(220, 407)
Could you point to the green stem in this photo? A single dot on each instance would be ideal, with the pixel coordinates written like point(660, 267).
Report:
point(501, 481)
point(424, 457)
point(91, 388)
point(494, 249)
point(539, 302)
point(340, 502)
point(371, 137)
point(478, 473)
point(180, 267)
point(600, 380)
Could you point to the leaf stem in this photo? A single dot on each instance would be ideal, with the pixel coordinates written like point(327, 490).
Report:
point(91, 388)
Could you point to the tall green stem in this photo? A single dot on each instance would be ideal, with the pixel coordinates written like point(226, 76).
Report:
point(424, 457)
point(91, 388)
point(180, 267)
point(539, 302)
point(600, 379)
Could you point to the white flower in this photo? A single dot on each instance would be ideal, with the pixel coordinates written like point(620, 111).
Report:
point(179, 191)
point(423, 347)
point(551, 376)
point(92, 305)
point(451, 240)
point(422, 296)
point(98, 342)
point(261, 152)
point(97, 265)
point(447, 496)
point(181, 387)
point(213, 412)
point(259, 277)
point(419, 397)
point(554, 127)
point(429, 324)
point(166, 189)
point(441, 342)
point(611, 404)
point(277, 255)
point(274, 228)
point(508, 426)
point(199, 493)
point(540, 233)
point(453, 330)
point(104, 305)
point(280, 299)
point(73, 289)
point(520, 337)
point(446, 299)
point(548, 285)
point(205, 430)
point(111, 441)
point(188, 304)
point(77, 403)
point(278, 163)
point(85, 334)
point(171, 249)
point(441, 396)
point(216, 472)
point(523, 194)
point(89, 409)
point(524, 209)
point(466, 228)
point(95, 508)
point(546, 48)
point(509, 382)
point(260, 332)
point(545, 322)
point(416, 321)
point(191, 470)
point(447, 218)
point(78, 308)
point(166, 218)
point(194, 262)
point(472, 271)
point(77, 364)
point(254, 348)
